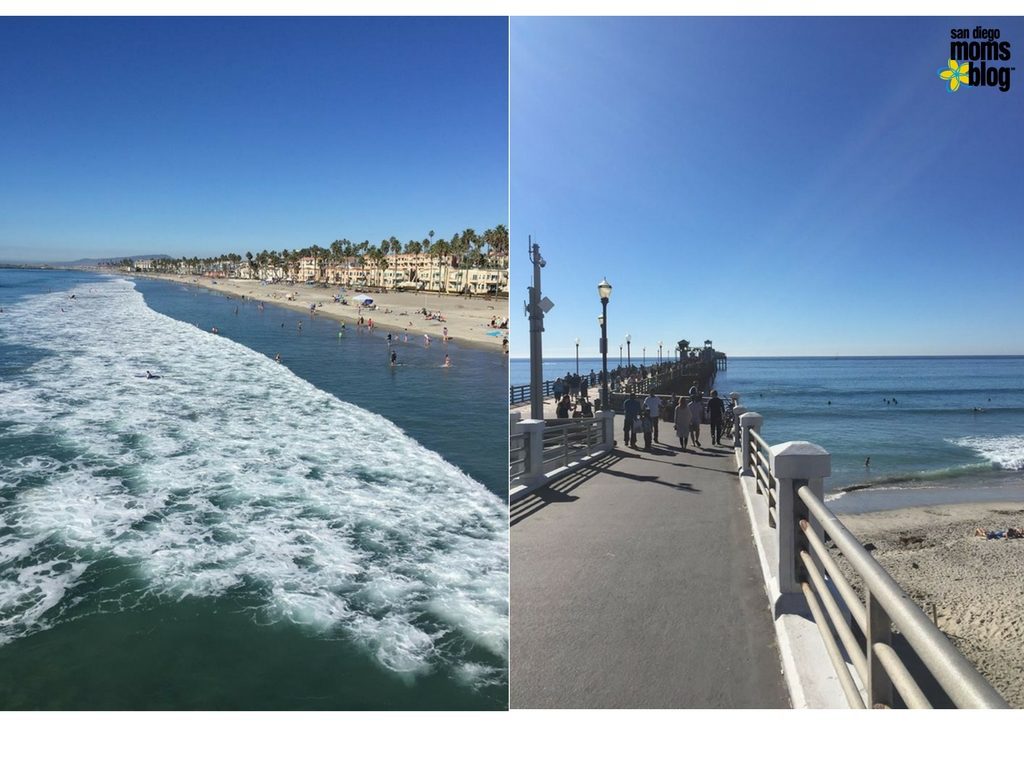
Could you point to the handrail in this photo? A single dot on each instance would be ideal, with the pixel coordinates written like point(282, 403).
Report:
point(965, 686)
point(560, 443)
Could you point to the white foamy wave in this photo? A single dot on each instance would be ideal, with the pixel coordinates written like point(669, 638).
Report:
point(230, 475)
point(1005, 452)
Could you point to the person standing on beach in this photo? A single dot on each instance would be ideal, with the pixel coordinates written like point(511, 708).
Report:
point(630, 410)
point(653, 404)
point(682, 422)
point(716, 412)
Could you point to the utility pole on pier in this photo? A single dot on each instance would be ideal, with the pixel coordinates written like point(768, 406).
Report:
point(535, 309)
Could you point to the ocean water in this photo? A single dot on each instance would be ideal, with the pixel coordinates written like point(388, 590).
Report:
point(914, 417)
point(242, 534)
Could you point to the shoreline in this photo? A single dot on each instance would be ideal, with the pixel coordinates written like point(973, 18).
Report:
point(972, 583)
point(467, 319)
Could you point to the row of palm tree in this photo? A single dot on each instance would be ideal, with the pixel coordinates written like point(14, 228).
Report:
point(464, 250)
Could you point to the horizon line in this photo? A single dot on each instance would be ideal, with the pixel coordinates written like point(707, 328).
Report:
point(811, 357)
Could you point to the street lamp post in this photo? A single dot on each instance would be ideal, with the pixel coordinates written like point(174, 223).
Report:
point(629, 361)
point(620, 355)
point(645, 356)
point(577, 356)
point(604, 290)
point(659, 353)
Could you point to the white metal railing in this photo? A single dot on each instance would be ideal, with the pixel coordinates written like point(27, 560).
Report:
point(857, 628)
point(570, 440)
point(764, 481)
point(537, 448)
point(518, 455)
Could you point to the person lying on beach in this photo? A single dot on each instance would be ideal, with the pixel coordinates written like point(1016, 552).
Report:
point(1009, 533)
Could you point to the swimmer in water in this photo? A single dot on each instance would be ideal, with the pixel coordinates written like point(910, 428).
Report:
point(394, 358)
point(150, 375)
point(389, 339)
point(277, 357)
point(447, 362)
point(426, 340)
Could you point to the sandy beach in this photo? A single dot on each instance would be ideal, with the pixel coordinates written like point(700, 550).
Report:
point(974, 583)
point(468, 319)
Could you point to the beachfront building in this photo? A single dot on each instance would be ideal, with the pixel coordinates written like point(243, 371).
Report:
point(406, 271)
point(467, 264)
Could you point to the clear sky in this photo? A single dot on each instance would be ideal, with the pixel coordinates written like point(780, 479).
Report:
point(195, 137)
point(781, 186)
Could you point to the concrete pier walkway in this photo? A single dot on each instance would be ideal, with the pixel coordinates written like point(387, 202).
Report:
point(635, 584)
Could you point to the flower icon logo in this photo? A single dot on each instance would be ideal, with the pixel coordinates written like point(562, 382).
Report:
point(955, 74)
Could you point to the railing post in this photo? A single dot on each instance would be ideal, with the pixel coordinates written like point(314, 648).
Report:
point(880, 688)
point(533, 429)
point(737, 439)
point(607, 429)
point(794, 464)
point(749, 420)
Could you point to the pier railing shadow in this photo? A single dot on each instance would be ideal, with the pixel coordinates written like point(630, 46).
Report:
point(560, 490)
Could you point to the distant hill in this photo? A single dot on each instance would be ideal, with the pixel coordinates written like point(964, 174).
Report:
point(79, 262)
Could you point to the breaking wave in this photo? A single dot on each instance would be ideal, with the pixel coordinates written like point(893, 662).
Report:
point(231, 476)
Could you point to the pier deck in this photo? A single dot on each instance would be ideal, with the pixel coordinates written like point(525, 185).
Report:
point(635, 584)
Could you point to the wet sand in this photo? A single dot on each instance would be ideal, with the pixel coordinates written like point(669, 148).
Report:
point(976, 584)
point(467, 318)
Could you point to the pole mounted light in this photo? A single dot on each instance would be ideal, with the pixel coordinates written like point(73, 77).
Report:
point(629, 361)
point(604, 291)
point(577, 356)
point(536, 308)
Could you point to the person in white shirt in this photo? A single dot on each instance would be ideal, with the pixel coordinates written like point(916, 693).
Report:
point(653, 403)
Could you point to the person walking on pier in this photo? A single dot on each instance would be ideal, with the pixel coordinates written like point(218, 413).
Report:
point(696, 408)
point(644, 422)
point(682, 422)
point(653, 403)
point(716, 412)
point(630, 410)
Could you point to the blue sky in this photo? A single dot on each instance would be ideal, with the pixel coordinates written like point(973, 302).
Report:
point(195, 137)
point(782, 186)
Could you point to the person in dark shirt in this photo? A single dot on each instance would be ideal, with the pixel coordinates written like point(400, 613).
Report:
point(630, 410)
point(716, 413)
point(562, 410)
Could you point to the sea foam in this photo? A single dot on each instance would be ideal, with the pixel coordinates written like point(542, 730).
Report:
point(230, 475)
point(1005, 451)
